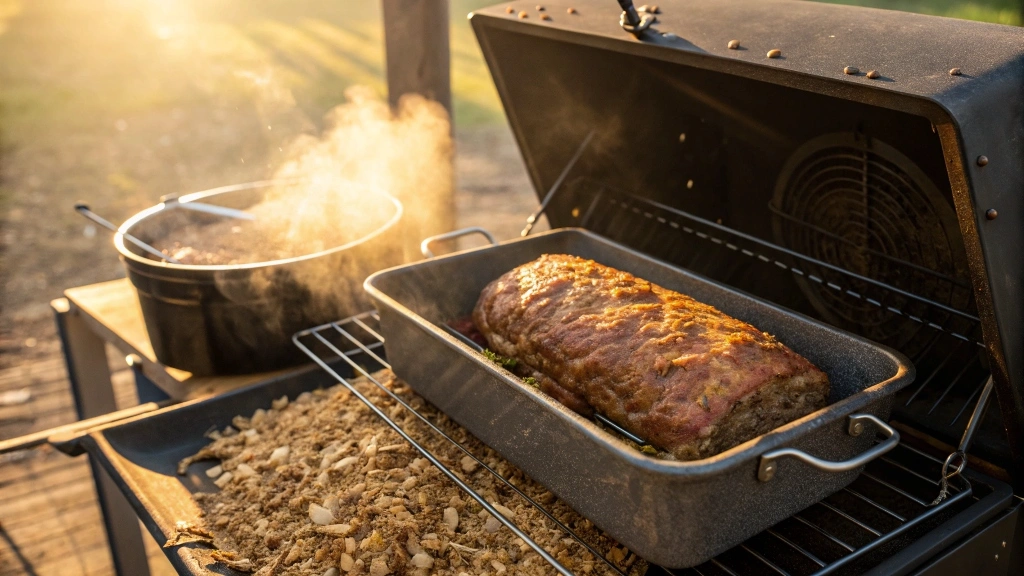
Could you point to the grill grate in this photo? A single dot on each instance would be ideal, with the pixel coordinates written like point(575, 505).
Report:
point(887, 504)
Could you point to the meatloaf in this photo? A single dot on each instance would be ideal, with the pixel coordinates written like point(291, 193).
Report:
point(687, 378)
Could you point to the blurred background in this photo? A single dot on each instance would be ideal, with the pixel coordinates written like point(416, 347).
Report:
point(118, 102)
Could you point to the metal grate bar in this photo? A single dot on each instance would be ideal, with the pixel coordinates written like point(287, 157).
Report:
point(357, 320)
point(823, 532)
point(952, 383)
point(764, 560)
point(938, 369)
point(799, 549)
point(723, 567)
point(345, 329)
point(875, 505)
point(970, 400)
point(899, 491)
point(862, 525)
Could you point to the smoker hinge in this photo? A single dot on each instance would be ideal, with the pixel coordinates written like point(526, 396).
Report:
point(631, 21)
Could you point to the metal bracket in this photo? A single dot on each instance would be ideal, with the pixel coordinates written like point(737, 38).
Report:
point(855, 427)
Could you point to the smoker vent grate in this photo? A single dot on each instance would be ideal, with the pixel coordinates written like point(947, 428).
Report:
point(855, 202)
point(886, 505)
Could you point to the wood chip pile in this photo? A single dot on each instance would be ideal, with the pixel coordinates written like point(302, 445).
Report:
point(322, 486)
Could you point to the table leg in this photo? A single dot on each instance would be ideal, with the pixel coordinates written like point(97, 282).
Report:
point(93, 392)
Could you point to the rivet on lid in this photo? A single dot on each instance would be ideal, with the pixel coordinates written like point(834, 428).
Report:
point(982, 160)
point(991, 214)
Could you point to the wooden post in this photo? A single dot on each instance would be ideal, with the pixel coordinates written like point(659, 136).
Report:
point(417, 53)
point(418, 61)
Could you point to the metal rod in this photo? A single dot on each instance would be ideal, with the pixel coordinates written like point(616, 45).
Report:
point(838, 238)
point(604, 420)
point(799, 549)
point(764, 561)
point(979, 411)
point(843, 514)
point(952, 384)
point(84, 210)
point(532, 219)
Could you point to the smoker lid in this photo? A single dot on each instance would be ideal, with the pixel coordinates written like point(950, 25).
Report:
point(914, 53)
point(581, 63)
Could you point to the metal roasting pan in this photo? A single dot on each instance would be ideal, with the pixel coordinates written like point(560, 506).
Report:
point(676, 514)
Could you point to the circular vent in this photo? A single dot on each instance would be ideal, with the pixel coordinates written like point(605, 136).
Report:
point(862, 206)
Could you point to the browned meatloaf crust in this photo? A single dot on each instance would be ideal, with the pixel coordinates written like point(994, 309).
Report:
point(689, 379)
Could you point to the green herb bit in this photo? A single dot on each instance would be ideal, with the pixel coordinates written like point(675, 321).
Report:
point(506, 363)
point(648, 449)
point(531, 381)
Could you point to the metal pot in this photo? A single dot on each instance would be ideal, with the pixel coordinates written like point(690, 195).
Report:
point(235, 319)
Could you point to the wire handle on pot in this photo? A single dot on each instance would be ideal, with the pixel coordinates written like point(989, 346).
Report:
point(84, 210)
point(768, 465)
point(425, 245)
point(957, 460)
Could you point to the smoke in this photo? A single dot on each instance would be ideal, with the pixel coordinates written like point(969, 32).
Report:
point(335, 189)
point(368, 148)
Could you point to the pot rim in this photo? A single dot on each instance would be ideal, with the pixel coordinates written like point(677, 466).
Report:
point(128, 224)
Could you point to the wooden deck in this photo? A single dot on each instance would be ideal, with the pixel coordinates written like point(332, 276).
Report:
point(49, 519)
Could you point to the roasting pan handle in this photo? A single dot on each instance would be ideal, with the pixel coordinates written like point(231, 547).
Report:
point(425, 245)
point(766, 469)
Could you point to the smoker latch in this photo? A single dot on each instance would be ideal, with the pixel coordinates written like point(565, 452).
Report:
point(631, 21)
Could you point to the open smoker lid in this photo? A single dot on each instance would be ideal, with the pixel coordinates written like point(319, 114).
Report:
point(678, 117)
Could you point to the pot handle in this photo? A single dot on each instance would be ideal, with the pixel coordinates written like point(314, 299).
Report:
point(425, 245)
point(767, 467)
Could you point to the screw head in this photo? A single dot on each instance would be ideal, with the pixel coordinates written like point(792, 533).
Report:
point(955, 72)
point(857, 428)
point(734, 45)
point(851, 70)
point(982, 160)
point(766, 473)
point(774, 53)
point(873, 74)
point(991, 214)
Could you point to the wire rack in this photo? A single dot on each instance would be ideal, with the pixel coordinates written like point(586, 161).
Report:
point(888, 503)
